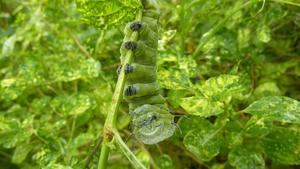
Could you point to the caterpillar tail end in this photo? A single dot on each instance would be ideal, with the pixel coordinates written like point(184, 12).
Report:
point(153, 123)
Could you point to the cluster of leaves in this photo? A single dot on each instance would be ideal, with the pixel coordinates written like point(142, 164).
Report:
point(231, 67)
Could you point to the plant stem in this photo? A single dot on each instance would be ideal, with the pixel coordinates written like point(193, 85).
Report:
point(126, 151)
point(287, 2)
point(103, 156)
point(110, 122)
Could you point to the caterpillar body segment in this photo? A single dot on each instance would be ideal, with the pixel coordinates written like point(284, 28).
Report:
point(142, 53)
point(136, 73)
point(141, 89)
point(152, 100)
point(151, 119)
point(144, 31)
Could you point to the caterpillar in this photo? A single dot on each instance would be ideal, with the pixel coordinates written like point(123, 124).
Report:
point(151, 120)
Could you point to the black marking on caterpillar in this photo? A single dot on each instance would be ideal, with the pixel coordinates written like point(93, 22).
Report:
point(119, 69)
point(130, 45)
point(128, 69)
point(130, 91)
point(135, 26)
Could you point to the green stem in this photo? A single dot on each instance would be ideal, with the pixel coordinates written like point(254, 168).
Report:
point(110, 122)
point(126, 151)
point(287, 2)
point(103, 156)
point(207, 36)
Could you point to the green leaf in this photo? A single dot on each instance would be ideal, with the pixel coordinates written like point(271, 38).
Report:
point(266, 89)
point(11, 88)
point(187, 124)
point(81, 69)
point(80, 140)
point(106, 13)
point(205, 143)
point(21, 153)
point(201, 106)
point(144, 157)
point(279, 108)
point(264, 33)
point(12, 133)
point(223, 87)
point(174, 97)
point(164, 161)
point(242, 158)
point(283, 145)
point(8, 46)
point(173, 79)
point(73, 105)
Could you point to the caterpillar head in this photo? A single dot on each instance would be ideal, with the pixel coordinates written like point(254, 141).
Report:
point(152, 124)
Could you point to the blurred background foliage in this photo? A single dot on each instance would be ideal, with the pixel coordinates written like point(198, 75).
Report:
point(232, 66)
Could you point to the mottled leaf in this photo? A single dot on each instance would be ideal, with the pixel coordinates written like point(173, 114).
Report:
point(264, 33)
point(106, 13)
point(201, 106)
point(282, 145)
point(21, 153)
point(222, 87)
point(242, 158)
point(205, 143)
point(173, 79)
point(164, 161)
point(279, 108)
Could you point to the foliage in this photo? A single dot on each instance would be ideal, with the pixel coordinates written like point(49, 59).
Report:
point(231, 68)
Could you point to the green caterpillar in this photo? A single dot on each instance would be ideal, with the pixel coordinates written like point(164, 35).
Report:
point(151, 119)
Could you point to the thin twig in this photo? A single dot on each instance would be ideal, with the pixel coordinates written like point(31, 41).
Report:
point(91, 155)
point(81, 48)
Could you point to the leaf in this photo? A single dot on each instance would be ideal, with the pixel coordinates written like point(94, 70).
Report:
point(106, 13)
point(266, 89)
point(81, 69)
point(80, 140)
point(188, 65)
point(21, 153)
point(264, 33)
point(222, 87)
point(201, 106)
point(164, 161)
point(242, 158)
point(187, 124)
point(73, 105)
point(12, 133)
point(283, 145)
point(8, 46)
point(205, 143)
point(279, 108)
point(174, 97)
point(173, 79)
point(11, 88)
point(144, 157)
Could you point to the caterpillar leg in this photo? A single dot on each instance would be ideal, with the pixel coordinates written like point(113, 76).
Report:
point(119, 69)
